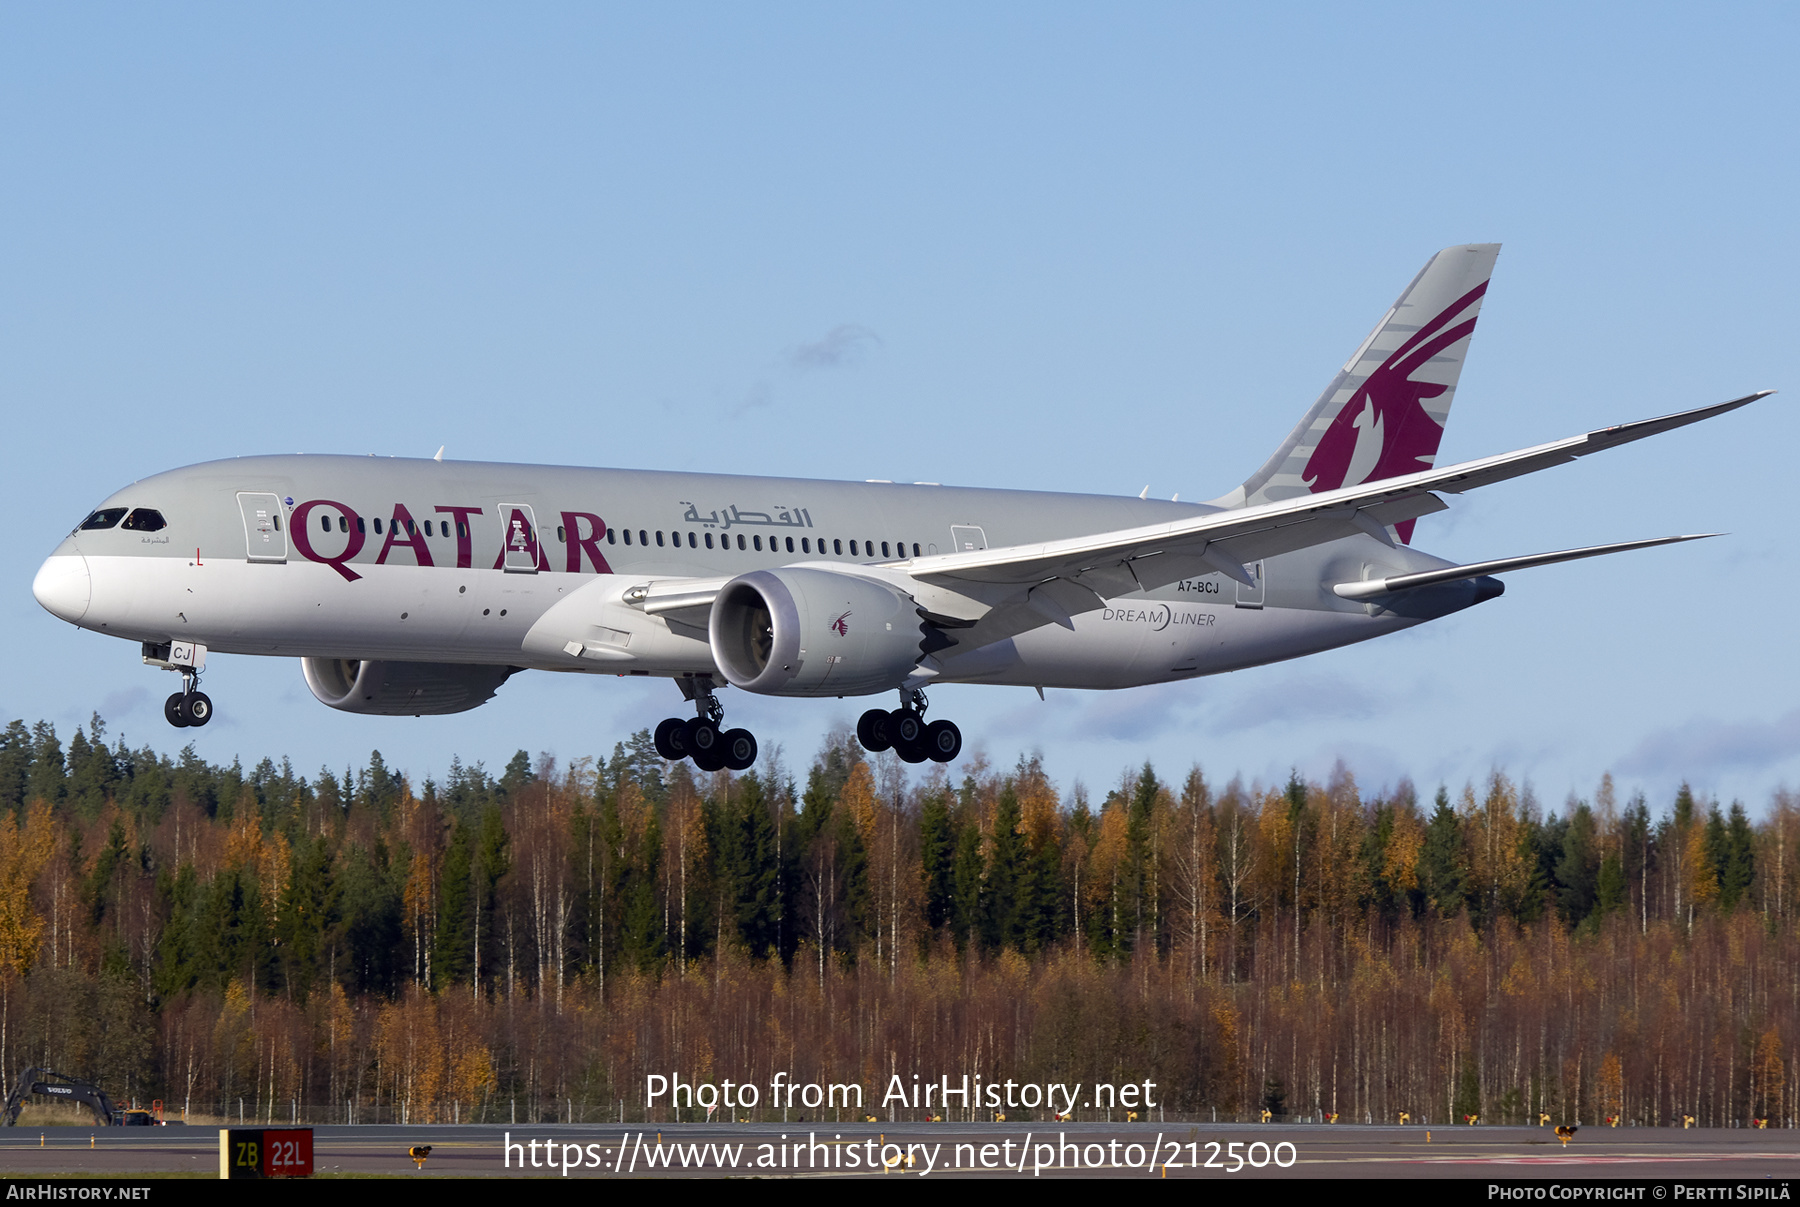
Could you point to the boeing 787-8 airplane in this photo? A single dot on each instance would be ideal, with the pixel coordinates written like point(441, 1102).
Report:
point(410, 587)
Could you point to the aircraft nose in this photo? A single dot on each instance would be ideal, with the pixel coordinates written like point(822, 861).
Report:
point(63, 586)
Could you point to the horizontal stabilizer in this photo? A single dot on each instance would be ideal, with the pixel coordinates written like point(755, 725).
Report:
point(1430, 578)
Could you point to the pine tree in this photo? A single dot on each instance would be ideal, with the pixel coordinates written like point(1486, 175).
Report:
point(1002, 899)
point(453, 950)
point(937, 859)
point(1441, 869)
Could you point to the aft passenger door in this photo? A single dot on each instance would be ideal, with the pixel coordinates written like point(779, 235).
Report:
point(265, 538)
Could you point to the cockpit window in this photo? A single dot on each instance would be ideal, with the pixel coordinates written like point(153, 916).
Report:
point(106, 517)
point(145, 519)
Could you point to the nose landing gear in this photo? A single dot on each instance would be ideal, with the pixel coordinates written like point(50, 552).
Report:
point(906, 733)
point(701, 738)
point(189, 706)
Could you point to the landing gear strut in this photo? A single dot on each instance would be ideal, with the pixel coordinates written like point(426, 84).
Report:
point(701, 739)
point(190, 705)
point(905, 732)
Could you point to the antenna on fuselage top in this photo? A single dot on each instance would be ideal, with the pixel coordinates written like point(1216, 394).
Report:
point(440, 453)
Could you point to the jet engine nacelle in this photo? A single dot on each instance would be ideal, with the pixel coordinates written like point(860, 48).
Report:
point(401, 689)
point(800, 632)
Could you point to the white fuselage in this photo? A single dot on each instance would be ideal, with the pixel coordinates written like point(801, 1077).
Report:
point(343, 563)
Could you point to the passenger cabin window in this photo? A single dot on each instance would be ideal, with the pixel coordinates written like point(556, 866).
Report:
point(756, 542)
point(462, 528)
point(377, 525)
point(560, 534)
point(790, 544)
point(838, 547)
point(612, 536)
point(325, 523)
point(741, 542)
point(659, 539)
point(915, 549)
point(852, 548)
point(805, 544)
point(106, 517)
point(343, 523)
point(146, 519)
point(884, 551)
point(362, 525)
point(694, 544)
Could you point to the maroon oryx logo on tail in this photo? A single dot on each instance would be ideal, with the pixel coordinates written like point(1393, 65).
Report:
point(839, 627)
point(1384, 432)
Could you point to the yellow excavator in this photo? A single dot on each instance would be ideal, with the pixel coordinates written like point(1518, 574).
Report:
point(60, 1087)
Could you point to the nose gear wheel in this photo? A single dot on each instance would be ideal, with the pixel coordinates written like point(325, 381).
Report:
point(190, 706)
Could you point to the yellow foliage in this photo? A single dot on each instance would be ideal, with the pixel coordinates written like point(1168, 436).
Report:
point(1109, 849)
point(24, 850)
point(473, 1073)
point(1612, 1086)
point(244, 844)
point(1276, 833)
point(1039, 810)
point(1519, 979)
point(1400, 865)
point(1703, 884)
point(410, 1046)
point(1768, 1073)
point(858, 799)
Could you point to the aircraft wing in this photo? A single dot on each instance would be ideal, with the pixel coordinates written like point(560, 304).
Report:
point(1026, 585)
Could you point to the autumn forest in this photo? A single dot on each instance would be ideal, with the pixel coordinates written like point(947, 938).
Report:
point(360, 945)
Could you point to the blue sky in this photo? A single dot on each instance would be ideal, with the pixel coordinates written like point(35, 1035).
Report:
point(1009, 245)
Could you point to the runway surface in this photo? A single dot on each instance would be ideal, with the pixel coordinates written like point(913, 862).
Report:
point(1225, 1152)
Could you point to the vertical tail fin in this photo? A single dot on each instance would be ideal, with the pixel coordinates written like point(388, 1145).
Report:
point(1383, 415)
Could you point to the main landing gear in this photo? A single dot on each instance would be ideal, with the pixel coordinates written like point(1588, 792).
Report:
point(190, 705)
point(905, 732)
point(701, 739)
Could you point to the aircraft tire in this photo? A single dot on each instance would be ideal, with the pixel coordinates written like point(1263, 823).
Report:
point(911, 752)
point(943, 741)
point(872, 731)
point(669, 737)
point(905, 728)
point(175, 711)
point(199, 708)
point(701, 737)
point(740, 749)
